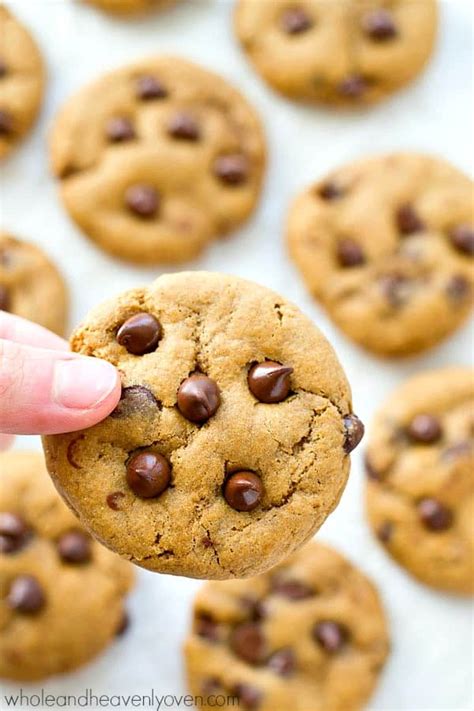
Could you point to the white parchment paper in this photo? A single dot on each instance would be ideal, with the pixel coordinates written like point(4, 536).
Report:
point(430, 666)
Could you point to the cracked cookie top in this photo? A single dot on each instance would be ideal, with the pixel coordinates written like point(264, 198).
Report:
point(346, 53)
point(21, 81)
point(387, 245)
point(420, 486)
point(61, 593)
point(310, 634)
point(158, 159)
point(230, 444)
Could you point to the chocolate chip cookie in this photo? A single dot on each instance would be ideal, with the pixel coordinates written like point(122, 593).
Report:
point(126, 7)
point(348, 54)
point(61, 593)
point(21, 81)
point(230, 444)
point(387, 244)
point(310, 635)
point(30, 284)
point(420, 488)
point(171, 159)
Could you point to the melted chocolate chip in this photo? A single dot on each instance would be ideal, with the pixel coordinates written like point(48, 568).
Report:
point(354, 432)
point(425, 429)
point(295, 20)
point(456, 451)
point(14, 532)
point(75, 547)
point(379, 25)
point(148, 474)
point(124, 624)
point(353, 87)
point(120, 129)
point(148, 87)
point(458, 288)
point(408, 220)
point(6, 123)
point(434, 515)
point(185, 127)
point(4, 299)
point(140, 334)
point(207, 628)
point(26, 595)
point(3, 68)
point(142, 200)
point(198, 398)
point(135, 400)
point(395, 288)
point(371, 471)
point(243, 491)
point(330, 191)
point(350, 253)
point(292, 589)
point(330, 635)
point(71, 451)
point(385, 532)
point(282, 662)
point(232, 169)
point(462, 238)
point(114, 500)
point(248, 695)
point(270, 381)
point(248, 643)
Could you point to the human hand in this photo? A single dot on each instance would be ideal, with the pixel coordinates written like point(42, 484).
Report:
point(46, 389)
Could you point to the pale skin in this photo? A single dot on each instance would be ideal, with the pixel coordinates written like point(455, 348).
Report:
point(46, 389)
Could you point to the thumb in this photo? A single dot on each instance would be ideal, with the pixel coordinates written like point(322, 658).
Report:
point(48, 392)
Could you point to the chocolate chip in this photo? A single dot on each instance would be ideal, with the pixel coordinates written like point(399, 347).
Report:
point(282, 662)
point(207, 628)
point(3, 68)
point(256, 609)
point(353, 87)
point(71, 451)
point(148, 474)
point(434, 515)
point(354, 432)
point(248, 643)
point(142, 200)
point(114, 499)
point(458, 288)
point(6, 123)
point(379, 25)
point(243, 491)
point(140, 334)
point(385, 531)
point(249, 696)
point(292, 589)
point(198, 398)
point(295, 20)
point(270, 381)
point(456, 451)
point(408, 220)
point(75, 547)
point(148, 87)
point(395, 288)
point(206, 542)
point(14, 532)
point(330, 191)
point(330, 635)
point(462, 238)
point(184, 126)
point(350, 253)
point(425, 429)
point(120, 129)
point(211, 686)
point(4, 298)
point(124, 624)
point(26, 595)
point(371, 471)
point(232, 169)
point(135, 400)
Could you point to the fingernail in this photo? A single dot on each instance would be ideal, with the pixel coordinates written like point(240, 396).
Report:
point(83, 383)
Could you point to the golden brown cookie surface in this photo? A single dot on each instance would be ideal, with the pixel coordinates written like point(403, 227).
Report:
point(30, 285)
point(127, 7)
point(386, 244)
point(171, 159)
point(21, 81)
point(345, 53)
point(309, 635)
point(420, 490)
point(61, 593)
point(230, 445)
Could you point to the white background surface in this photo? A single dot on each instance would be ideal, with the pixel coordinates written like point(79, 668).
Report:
point(432, 633)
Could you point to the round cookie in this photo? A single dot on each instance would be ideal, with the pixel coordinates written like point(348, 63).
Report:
point(61, 593)
point(30, 285)
point(309, 635)
point(348, 54)
point(420, 489)
point(386, 244)
point(21, 81)
point(126, 7)
point(171, 159)
point(230, 445)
